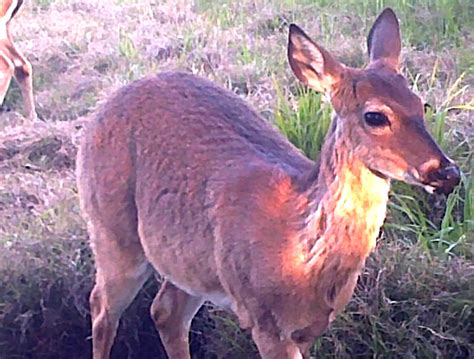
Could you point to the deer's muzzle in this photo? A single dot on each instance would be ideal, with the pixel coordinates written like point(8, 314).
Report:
point(442, 179)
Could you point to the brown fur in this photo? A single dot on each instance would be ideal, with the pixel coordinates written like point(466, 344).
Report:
point(12, 62)
point(179, 175)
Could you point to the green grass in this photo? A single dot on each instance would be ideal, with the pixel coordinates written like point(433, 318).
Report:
point(443, 226)
point(43, 4)
point(307, 124)
point(448, 20)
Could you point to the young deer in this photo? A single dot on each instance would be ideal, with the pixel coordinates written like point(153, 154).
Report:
point(12, 62)
point(180, 176)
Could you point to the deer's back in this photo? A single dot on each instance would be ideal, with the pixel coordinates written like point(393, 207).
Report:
point(193, 120)
point(161, 153)
point(182, 129)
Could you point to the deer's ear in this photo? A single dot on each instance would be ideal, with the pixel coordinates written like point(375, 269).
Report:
point(384, 41)
point(311, 63)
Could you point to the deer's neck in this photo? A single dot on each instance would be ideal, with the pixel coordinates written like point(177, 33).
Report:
point(347, 205)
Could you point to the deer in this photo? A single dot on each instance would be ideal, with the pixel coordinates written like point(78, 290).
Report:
point(179, 177)
point(12, 62)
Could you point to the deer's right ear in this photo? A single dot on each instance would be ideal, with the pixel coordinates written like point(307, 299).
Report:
point(311, 63)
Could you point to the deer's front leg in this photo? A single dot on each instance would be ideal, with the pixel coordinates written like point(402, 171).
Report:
point(271, 346)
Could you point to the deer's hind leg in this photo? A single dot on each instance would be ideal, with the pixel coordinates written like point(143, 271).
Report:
point(172, 311)
point(6, 73)
point(23, 73)
point(122, 270)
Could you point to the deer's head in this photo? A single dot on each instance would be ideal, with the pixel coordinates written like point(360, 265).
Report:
point(381, 119)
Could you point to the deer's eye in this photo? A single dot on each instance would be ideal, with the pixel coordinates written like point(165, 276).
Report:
point(376, 119)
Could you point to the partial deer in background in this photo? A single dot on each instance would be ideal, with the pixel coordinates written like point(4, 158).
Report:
point(178, 176)
point(12, 62)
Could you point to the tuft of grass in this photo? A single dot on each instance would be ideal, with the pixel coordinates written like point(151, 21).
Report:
point(443, 226)
point(44, 5)
point(127, 47)
point(306, 123)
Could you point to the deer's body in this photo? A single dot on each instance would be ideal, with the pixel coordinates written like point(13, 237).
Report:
point(180, 176)
point(12, 62)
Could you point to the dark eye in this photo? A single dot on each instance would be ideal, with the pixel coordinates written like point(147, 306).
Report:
point(376, 119)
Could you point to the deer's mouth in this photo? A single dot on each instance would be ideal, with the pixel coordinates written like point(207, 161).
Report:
point(411, 177)
point(379, 174)
point(439, 181)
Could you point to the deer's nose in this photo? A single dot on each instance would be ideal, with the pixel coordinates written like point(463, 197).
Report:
point(448, 174)
point(444, 178)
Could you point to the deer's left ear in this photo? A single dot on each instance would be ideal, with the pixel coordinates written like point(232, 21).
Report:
point(384, 41)
point(312, 64)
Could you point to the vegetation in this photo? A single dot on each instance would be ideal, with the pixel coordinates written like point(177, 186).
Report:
point(416, 296)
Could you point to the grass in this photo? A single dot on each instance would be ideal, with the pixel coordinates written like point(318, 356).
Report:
point(415, 297)
point(299, 125)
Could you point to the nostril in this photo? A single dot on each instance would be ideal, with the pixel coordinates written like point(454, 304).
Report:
point(442, 174)
point(446, 179)
point(449, 173)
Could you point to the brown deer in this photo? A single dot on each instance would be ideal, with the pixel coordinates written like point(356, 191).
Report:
point(180, 176)
point(12, 62)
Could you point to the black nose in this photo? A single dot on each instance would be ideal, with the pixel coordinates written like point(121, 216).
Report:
point(445, 179)
point(449, 173)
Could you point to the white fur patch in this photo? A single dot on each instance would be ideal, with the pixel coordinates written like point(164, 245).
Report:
point(220, 299)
